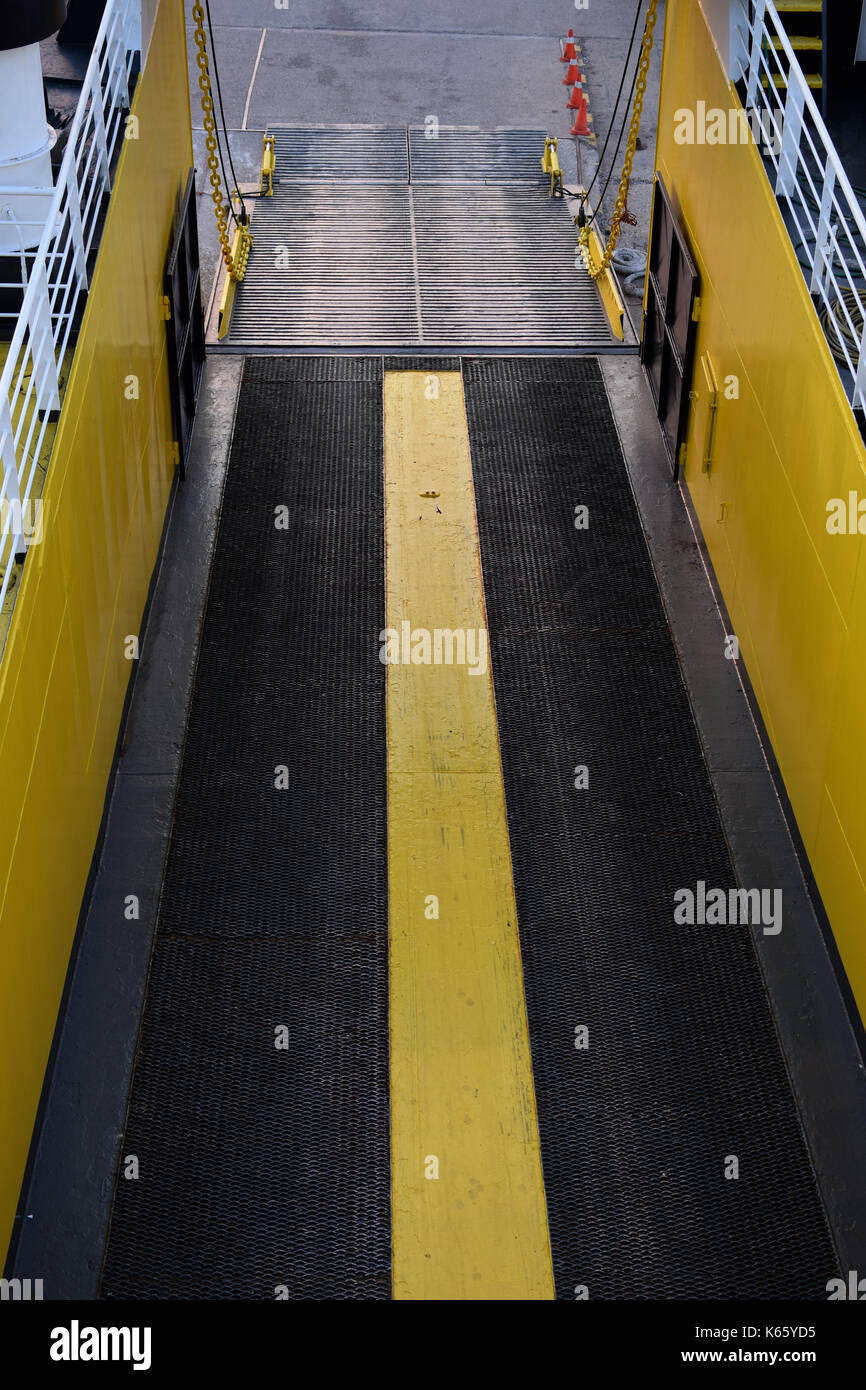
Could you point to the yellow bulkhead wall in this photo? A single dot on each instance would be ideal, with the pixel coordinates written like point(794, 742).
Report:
point(796, 594)
point(64, 673)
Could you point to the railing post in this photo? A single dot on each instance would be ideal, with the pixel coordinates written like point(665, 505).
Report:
point(132, 28)
point(76, 230)
point(100, 135)
point(860, 378)
point(12, 490)
point(738, 45)
point(792, 127)
point(755, 53)
point(822, 266)
point(117, 78)
point(45, 373)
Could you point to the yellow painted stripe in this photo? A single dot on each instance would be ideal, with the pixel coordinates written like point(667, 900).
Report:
point(461, 1078)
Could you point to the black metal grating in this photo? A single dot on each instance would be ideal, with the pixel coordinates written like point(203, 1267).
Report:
point(259, 1167)
point(684, 1066)
point(422, 364)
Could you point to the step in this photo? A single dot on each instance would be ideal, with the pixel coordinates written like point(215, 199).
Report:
point(801, 43)
point(813, 80)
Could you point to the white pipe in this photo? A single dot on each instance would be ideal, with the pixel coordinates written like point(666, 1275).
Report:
point(25, 146)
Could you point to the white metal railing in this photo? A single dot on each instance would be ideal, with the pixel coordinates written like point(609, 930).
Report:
point(821, 207)
point(33, 377)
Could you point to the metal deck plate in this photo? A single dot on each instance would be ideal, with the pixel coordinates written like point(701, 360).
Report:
point(369, 261)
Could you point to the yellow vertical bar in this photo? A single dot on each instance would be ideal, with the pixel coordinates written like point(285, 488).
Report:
point(469, 1216)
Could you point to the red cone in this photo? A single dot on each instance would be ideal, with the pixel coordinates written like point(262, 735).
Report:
point(581, 121)
point(569, 51)
point(572, 75)
point(573, 103)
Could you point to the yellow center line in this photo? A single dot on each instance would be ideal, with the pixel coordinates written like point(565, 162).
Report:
point(468, 1208)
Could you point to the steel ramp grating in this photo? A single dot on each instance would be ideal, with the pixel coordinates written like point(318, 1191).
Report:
point(342, 153)
point(466, 154)
point(682, 1066)
point(349, 254)
point(261, 1167)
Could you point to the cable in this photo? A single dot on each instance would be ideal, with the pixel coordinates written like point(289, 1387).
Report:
point(809, 240)
point(235, 183)
point(625, 66)
point(595, 271)
point(216, 76)
point(836, 326)
point(613, 161)
point(849, 304)
point(630, 265)
point(235, 259)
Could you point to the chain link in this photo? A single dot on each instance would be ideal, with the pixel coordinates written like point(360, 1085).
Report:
point(595, 271)
point(212, 158)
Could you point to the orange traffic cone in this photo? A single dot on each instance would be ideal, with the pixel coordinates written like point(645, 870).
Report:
point(574, 101)
point(581, 121)
point(572, 76)
point(569, 51)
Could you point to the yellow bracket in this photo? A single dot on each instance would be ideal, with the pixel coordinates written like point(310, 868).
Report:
point(550, 164)
point(613, 305)
point(241, 247)
point(269, 164)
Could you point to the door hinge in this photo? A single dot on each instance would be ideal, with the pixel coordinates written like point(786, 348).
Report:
point(174, 453)
point(166, 308)
point(696, 309)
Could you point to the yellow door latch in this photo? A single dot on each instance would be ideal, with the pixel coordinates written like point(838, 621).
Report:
point(550, 164)
point(712, 406)
point(269, 164)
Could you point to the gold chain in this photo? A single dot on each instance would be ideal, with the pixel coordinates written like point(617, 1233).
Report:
point(640, 87)
point(211, 143)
